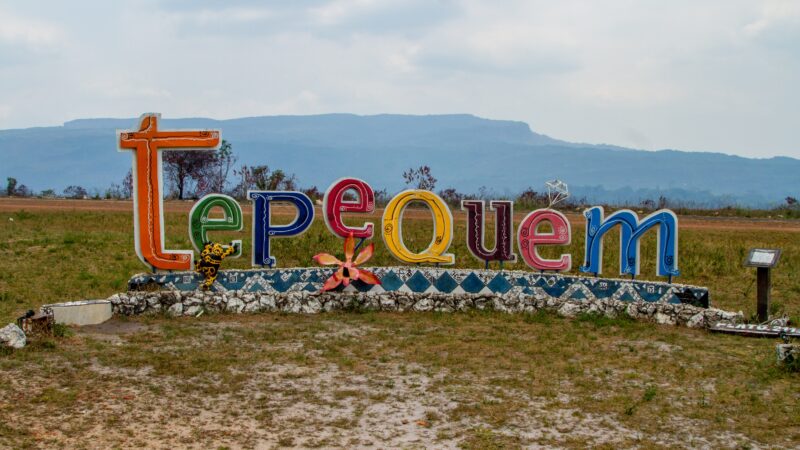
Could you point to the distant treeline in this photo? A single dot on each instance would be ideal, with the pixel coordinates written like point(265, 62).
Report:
point(193, 174)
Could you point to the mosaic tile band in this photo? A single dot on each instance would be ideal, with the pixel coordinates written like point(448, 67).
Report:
point(434, 280)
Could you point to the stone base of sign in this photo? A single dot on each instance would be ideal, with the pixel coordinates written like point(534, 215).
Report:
point(179, 303)
point(87, 312)
point(420, 289)
point(431, 280)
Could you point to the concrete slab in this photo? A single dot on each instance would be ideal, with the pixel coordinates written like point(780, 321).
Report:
point(85, 312)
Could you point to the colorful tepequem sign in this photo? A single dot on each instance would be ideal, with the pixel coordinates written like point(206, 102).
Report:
point(148, 141)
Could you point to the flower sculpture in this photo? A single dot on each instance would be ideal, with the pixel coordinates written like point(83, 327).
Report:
point(348, 271)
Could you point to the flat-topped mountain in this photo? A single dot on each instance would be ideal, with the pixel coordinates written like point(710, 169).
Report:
point(463, 151)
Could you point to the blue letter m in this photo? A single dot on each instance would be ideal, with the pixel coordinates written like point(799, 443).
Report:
point(631, 230)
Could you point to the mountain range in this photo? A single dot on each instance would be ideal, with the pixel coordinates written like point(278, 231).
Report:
point(464, 152)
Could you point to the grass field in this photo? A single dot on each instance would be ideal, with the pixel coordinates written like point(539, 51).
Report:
point(476, 380)
point(58, 253)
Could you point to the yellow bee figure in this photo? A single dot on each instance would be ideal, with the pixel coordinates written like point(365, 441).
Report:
point(210, 259)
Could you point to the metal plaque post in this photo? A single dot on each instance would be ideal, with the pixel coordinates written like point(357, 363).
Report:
point(763, 287)
point(763, 260)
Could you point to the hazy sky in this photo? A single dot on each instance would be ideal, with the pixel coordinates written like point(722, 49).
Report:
point(714, 75)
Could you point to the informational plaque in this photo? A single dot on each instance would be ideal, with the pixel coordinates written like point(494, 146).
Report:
point(763, 257)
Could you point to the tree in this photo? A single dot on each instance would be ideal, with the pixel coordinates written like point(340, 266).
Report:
point(182, 167)
point(225, 159)
point(75, 192)
point(648, 204)
point(420, 178)
point(279, 181)
point(313, 193)
point(382, 197)
point(116, 192)
point(451, 196)
point(48, 193)
point(23, 191)
point(252, 177)
point(11, 187)
point(127, 184)
point(791, 202)
point(260, 178)
point(275, 179)
point(530, 198)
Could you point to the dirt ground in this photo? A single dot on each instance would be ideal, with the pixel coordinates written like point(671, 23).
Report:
point(410, 381)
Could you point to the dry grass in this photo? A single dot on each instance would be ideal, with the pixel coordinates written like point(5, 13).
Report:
point(474, 380)
point(67, 255)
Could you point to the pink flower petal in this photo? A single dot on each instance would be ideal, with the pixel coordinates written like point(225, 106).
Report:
point(368, 277)
point(326, 259)
point(349, 247)
point(331, 283)
point(365, 254)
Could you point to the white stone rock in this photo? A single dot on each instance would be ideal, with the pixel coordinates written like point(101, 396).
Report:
point(664, 319)
point(12, 336)
point(192, 310)
point(313, 306)
point(424, 304)
point(787, 353)
point(294, 306)
point(175, 310)
point(191, 301)
point(252, 307)
point(235, 305)
point(696, 321)
point(267, 302)
point(569, 310)
point(732, 317)
point(387, 304)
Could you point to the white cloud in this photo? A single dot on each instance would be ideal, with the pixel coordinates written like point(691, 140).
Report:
point(206, 16)
point(21, 30)
point(5, 111)
point(774, 13)
point(716, 75)
point(339, 10)
point(120, 89)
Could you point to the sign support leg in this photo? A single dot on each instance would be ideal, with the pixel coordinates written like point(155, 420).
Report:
point(763, 285)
